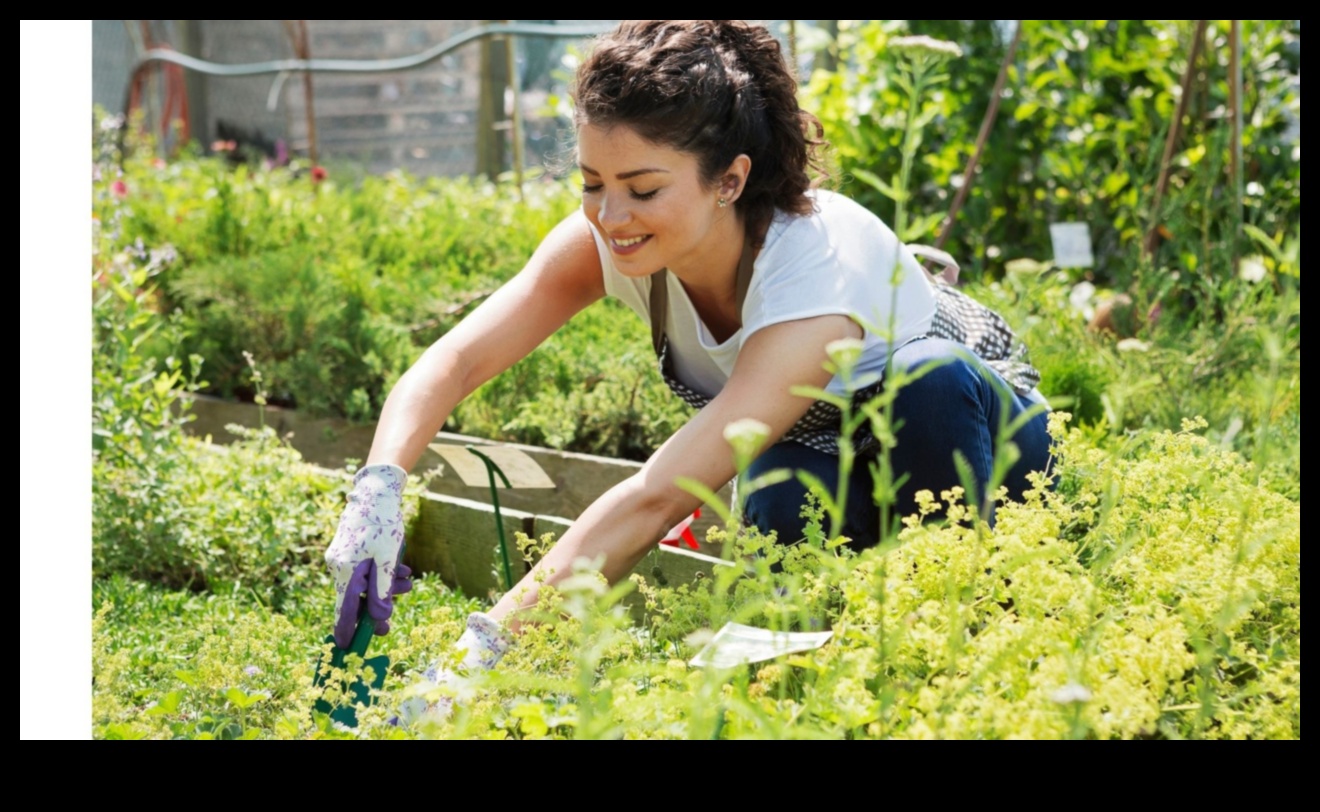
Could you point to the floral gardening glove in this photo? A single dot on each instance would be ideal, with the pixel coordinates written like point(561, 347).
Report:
point(363, 558)
point(483, 644)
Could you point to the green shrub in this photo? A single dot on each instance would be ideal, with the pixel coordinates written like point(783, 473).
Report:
point(1079, 137)
point(1155, 594)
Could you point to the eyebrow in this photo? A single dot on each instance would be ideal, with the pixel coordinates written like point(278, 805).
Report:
point(624, 175)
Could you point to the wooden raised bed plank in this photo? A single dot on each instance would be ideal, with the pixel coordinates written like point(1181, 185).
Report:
point(578, 479)
point(457, 538)
point(520, 469)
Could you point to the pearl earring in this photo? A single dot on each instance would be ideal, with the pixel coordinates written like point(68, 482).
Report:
point(722, 203)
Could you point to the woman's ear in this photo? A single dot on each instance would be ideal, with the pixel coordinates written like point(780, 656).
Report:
point(735, 178)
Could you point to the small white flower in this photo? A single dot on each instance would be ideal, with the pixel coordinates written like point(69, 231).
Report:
point(746, 433)
point(1071, 694)
point(844, 353)
point(1251, 269)
point(1132, 345)
point(924, 47)
point(1255, 189)
point(1025, 266)
point(1081, 295)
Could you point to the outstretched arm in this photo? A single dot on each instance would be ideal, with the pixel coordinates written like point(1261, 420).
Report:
point(631, 517)
point(562, 277)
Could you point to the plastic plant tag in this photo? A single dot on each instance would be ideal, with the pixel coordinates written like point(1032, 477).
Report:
point(1072, 245)
point(736, 644)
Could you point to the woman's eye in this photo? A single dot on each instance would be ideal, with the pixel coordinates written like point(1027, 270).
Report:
point(590, 189)
point(644, 195)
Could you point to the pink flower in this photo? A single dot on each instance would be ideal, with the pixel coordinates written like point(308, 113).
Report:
point(119, 189)
point(318, 174)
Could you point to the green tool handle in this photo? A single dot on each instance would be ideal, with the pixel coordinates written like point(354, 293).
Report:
point(366, 627)
point(491, 470)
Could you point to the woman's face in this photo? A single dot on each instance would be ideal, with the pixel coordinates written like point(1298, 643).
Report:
point(649, 203)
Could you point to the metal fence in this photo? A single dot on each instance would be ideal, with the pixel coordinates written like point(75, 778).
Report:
point(428, 120)
point(424, 120)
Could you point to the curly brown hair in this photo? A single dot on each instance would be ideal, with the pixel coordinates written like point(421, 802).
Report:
point(713, 89)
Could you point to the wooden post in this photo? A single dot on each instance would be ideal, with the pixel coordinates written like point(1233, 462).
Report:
point(987, 123)
point(515, 85)
point(1235, 151)
point(490, 106)
point(190, 43)
point(1175, 129)
point(828, 59)
point(1171, 140)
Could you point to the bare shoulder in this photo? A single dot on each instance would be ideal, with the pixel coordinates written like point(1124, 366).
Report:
point(568, 256)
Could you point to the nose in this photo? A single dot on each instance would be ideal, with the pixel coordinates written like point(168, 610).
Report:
point(614, 211)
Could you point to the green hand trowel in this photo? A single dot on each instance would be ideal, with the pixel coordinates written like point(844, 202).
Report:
point(359, 693)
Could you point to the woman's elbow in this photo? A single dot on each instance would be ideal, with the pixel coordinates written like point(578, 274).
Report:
point(659, 505)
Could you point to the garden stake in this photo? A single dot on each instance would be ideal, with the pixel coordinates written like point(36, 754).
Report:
point(359, 693)
point(491, 470)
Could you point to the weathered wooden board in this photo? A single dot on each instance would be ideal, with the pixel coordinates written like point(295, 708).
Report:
point(520, 469)
point(457, 538)
point(578, 479)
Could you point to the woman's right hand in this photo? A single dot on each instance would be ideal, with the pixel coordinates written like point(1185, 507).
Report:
point(363, 558)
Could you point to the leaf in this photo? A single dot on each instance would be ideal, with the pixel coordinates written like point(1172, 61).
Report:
point(873, 180)
point(240, 699)
point(1257, 234)
point(769, 478)
point(820, 394)
point(799, 661)
point(1115, 182)
point(706, 495)
point(168, 705)
point(1025, 110)
point(921, 226)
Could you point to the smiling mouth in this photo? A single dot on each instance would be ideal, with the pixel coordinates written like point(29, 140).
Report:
point(628, 245)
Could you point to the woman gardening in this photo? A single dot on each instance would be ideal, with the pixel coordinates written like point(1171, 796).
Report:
point(698, 212)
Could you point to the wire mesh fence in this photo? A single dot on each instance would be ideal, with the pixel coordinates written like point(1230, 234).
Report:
point(428, 120)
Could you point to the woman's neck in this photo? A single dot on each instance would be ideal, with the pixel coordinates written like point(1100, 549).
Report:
point(713, 287)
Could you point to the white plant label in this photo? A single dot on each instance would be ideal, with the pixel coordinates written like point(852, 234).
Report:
point(1072, 245)
point(736, 644)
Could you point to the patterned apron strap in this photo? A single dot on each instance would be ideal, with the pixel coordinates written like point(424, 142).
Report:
point(660, 293)
point(949, 274)
point(659, 308)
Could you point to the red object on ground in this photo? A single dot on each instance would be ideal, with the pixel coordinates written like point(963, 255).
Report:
point(683, 531)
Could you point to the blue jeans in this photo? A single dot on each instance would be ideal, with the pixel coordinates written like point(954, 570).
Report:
point(956, 405)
